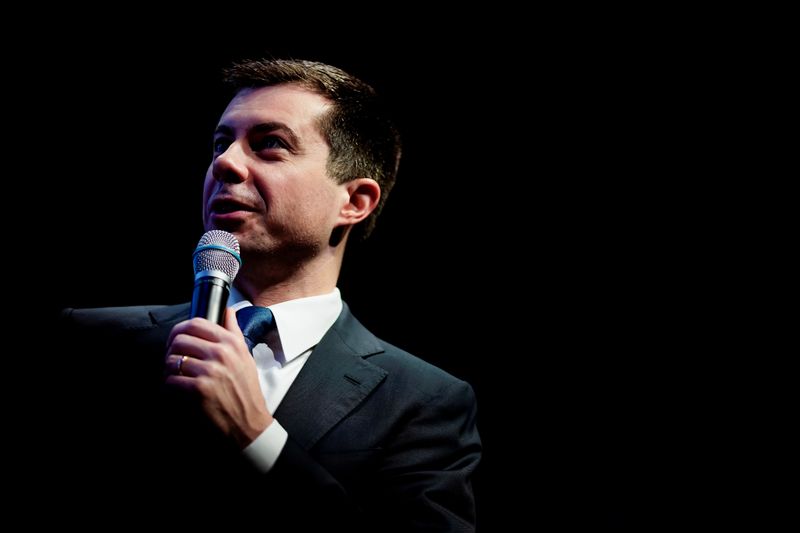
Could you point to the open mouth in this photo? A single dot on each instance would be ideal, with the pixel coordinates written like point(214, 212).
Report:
point(222, 206)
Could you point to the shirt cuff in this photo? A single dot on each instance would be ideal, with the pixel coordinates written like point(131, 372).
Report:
point(264, 451)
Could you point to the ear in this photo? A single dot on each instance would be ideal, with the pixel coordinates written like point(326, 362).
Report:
point(361, 198)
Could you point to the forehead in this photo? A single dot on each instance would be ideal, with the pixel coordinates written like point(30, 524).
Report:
point(295, 106)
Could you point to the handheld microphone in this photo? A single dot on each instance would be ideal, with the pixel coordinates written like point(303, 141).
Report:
point(216, 262)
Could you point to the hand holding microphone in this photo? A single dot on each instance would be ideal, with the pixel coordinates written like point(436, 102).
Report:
point(230, 394)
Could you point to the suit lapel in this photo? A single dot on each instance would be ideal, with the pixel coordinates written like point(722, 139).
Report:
point(333, 382)
point(168, 316)
point(153, 339)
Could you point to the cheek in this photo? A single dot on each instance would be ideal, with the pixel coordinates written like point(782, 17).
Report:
point(208, 189)
point(208, 186)
point(320, 201)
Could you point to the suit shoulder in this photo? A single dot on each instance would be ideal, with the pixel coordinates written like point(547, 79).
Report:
point(404, 372)
point(130, 317)
point(387, 356)
point(412, 371)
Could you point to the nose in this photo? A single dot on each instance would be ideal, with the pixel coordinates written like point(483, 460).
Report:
point(230, 166)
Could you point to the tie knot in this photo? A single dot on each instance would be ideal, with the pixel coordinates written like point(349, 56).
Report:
point(255, 322)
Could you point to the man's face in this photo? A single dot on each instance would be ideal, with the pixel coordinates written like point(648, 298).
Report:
point(267, 183)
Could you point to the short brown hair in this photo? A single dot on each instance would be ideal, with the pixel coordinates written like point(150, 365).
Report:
point(364, 142)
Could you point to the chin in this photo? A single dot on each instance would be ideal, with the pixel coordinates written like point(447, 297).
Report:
point(231, 226)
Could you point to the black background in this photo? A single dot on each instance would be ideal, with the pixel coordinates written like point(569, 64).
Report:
point(520, 249)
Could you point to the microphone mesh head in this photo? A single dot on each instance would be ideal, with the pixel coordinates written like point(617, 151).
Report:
point(217, 250)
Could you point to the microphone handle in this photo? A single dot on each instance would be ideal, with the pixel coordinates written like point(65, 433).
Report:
point(209, 298)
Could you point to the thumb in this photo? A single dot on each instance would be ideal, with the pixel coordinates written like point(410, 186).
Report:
point(231, 324)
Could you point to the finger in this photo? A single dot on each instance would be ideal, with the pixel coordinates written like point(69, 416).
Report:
point(182, 382)
point(173, 364)
point(185, 366)
point(196, 327)
point(231, 324)
point(185, 344)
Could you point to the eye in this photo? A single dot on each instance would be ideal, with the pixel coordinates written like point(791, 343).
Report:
point(220, 145)
point(267, 142)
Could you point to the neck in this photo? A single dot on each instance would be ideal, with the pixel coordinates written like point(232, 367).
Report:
point(264, 284)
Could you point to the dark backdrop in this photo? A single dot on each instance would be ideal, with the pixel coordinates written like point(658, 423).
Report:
point(509, 253)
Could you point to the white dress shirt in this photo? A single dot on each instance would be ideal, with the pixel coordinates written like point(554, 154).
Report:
point(300, 325)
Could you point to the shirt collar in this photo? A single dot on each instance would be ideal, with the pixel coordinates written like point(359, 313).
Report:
point(301, 323)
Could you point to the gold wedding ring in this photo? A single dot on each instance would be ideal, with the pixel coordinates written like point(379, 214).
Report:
point(180, 364)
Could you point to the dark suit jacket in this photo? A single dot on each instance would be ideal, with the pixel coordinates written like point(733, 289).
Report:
point(379, 440)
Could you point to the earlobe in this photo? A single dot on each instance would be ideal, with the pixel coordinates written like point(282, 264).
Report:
point(363, 196)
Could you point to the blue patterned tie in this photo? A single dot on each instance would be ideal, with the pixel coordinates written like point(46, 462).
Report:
point(255, 322)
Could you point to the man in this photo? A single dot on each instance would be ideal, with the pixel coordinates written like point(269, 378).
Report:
point(322, 424)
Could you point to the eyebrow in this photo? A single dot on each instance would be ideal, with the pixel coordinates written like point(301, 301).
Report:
point(264, 127)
